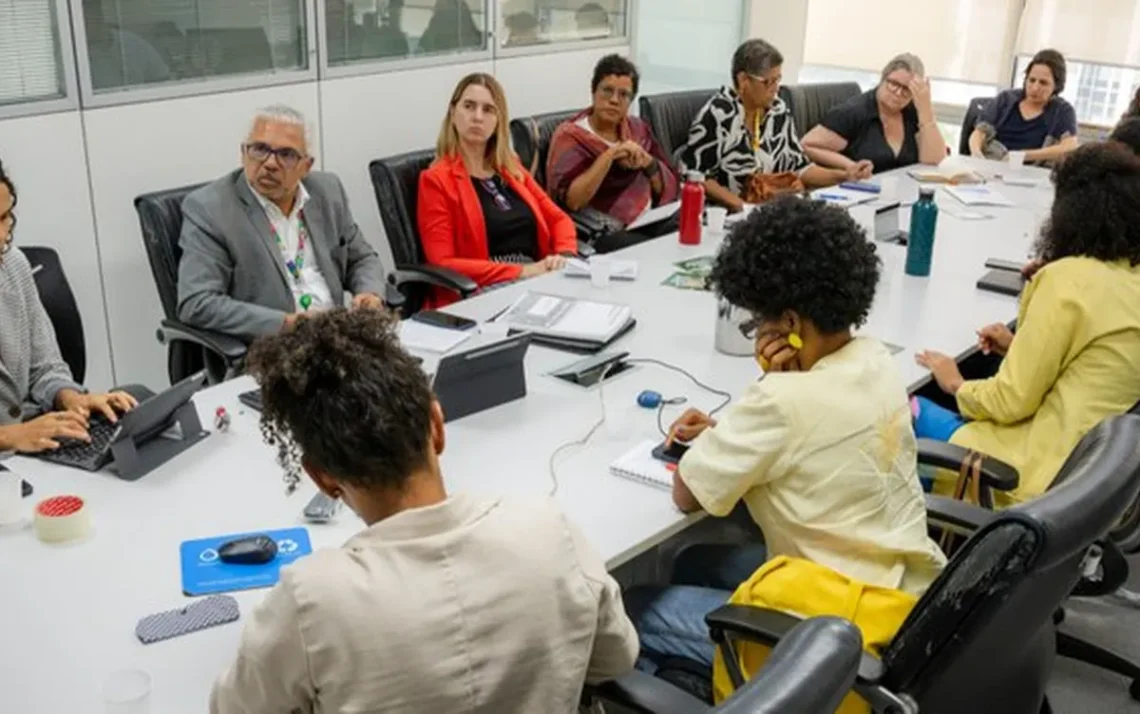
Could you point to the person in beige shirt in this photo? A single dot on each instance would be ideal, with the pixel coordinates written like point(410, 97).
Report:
point(820, 449)
point(443, 603)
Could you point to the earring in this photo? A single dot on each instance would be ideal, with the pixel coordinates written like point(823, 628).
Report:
point(795, 341)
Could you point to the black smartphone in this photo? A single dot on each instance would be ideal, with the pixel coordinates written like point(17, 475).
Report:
point(1002, 282)
point(671, 454)
point(1010, 265)
point(444, 319)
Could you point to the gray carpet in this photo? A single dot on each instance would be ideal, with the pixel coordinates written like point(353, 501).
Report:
point(1078, 688)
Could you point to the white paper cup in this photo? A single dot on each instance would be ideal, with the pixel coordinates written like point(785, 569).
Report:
point(127, 692)
point(11, 498)
point(864, 215)
point(600, 271)
point(716, 216)
point(888, 188)
point(1016, 159)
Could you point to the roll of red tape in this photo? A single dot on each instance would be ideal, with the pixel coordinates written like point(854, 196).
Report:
point(61, 519)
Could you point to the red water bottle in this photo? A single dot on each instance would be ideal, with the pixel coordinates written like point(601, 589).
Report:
point(692, 208)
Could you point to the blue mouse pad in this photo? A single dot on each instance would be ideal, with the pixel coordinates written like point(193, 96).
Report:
point(203, 573)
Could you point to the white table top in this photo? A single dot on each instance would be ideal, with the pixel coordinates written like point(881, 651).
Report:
point(67, 614)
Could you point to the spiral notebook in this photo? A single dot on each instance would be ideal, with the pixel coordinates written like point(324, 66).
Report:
point(638, 464)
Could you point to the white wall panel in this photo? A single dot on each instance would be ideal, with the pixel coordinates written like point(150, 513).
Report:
point(44, 157)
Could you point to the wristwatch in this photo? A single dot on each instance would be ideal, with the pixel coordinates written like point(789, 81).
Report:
point(652, 169)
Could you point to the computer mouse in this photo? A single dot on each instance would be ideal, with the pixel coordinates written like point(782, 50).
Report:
point(251, 550)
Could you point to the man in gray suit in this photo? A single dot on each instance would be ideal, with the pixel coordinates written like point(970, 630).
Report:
point(264, 244)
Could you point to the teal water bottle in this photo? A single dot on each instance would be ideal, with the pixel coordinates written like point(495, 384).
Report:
point(920, 242)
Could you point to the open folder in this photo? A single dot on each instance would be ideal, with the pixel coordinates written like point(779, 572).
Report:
point(583, 325)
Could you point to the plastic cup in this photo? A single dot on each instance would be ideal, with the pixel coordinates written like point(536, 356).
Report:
point(600, 271)
point(1016, 160)
point(127, 692)
point(11, 498)
point(716, 216)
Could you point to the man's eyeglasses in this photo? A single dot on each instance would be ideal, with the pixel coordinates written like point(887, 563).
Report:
point(287, 157)
point(898, 88)
point(623, 95)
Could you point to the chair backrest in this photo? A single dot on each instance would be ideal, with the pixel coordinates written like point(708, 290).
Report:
point(982, 638)
point(396, 183)
point(531, 138)
point(160, 218)
point(974, 110)
point(810, 102)
point(63, 311)
point(670, 116)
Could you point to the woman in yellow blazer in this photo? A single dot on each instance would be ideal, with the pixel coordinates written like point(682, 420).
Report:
point(1076, 356)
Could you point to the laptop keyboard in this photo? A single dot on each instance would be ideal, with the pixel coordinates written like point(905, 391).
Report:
point(86, 455)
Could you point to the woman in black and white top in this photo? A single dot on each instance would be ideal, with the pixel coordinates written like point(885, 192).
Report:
point(747, 129)
point(34, 379)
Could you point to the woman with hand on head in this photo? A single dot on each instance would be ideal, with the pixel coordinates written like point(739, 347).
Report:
point(1034, 119)
point(606, 159)
point(820, 449)
point(34, 380)
point(479, 211)
point(886, 128)
point(1075, 359)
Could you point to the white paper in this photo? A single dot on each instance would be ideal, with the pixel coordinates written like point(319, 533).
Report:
point(653, 215)
point(415, 335)
point(963, 214)
point(592, 320)
point(543, 306)
point(977, 195)
point(619, 269)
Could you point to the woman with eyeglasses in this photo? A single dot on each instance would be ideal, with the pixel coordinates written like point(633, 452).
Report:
point(1034, 119)
point(40, 402)
point(607, 160)
point(746, 133)
point(480, 212)
point(886, 128)
point(819, 448)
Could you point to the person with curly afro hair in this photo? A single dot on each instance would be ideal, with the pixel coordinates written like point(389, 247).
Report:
point(1076, 357)
point(820, 449)
point(443, 603)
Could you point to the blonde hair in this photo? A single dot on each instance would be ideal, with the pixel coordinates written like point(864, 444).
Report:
point(503, 159)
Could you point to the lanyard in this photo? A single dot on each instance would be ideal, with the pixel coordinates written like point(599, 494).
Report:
point(297, 263)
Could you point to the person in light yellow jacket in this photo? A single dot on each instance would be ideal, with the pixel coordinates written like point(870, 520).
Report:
point(1076, 357)
point(820, 449)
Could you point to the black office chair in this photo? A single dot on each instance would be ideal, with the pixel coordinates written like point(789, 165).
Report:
point(810, 102)
point(809, 672)
point(974, 110)
point(1113, 570)
point(982, 638)
point(396, 182)
point(531, 137)
point(670, 116)
point(188, 350)
point(59, 302)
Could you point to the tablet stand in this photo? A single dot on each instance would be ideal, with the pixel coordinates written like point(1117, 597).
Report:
point(133, 460)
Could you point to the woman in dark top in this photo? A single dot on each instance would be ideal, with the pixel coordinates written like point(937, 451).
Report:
point(888, 127)
point(479, 212)
point(1034, 119)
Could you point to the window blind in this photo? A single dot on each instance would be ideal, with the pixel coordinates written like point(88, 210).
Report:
point(965, 40)
point(30, 66)
point(1098, 31)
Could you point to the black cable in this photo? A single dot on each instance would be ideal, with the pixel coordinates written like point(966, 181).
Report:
point(727, 398)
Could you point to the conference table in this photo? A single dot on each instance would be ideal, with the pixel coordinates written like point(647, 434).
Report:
point(68, 612)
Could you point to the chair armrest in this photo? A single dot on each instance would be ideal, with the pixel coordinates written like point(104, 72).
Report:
point(996, 474)
point(393, 298)
point(643, 692)
point(230, 349)
point(433, 275)
point(769, 627)
point(811, 670)
point(958, 516)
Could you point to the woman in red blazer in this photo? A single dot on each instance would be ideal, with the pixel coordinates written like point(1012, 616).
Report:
point(479, 212)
